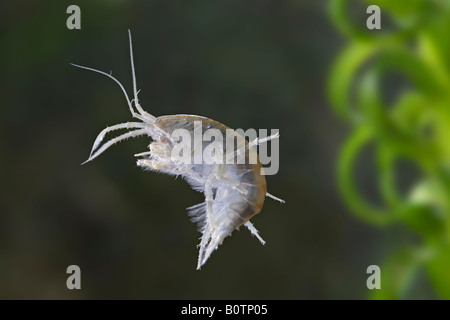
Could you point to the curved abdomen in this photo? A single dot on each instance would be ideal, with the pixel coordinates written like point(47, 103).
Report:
point(240, 189)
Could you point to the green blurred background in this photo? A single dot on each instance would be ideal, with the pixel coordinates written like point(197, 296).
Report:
point(349, 103)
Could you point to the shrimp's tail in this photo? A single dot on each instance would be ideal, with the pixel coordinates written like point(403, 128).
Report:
point(211, 239)
point(216, 227)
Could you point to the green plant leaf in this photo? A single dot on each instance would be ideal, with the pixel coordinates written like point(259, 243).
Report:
point(439, 271)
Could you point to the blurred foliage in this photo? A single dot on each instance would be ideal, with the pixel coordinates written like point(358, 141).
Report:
point(411, 127)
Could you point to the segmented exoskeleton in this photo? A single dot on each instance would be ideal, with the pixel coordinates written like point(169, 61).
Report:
point(234, 193)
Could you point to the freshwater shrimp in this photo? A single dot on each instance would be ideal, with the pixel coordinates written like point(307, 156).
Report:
point(234, 193)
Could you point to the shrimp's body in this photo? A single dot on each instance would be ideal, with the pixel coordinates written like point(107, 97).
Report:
point(234, 193)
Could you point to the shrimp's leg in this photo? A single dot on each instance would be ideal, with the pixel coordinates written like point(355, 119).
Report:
point(260, 141)
point(126, 125)
point(255, 232)
point(111, 142)
point(275, 198)
point(255, 142)
point(146, 153)
point(156, 164)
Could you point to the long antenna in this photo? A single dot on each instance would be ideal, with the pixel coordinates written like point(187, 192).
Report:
point(133, 113)
point(136, 101)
